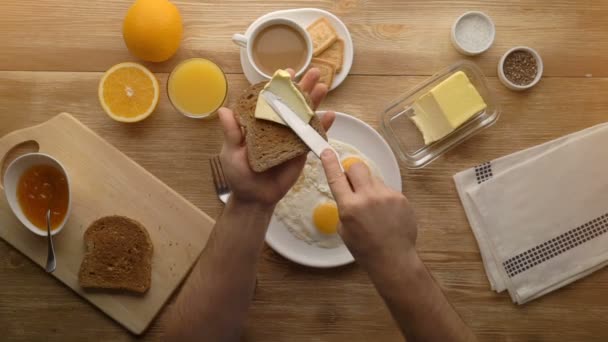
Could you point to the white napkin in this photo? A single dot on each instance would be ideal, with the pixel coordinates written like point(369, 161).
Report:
point(540, 216)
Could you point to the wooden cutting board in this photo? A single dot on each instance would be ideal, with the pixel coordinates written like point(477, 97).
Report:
point(106, 182)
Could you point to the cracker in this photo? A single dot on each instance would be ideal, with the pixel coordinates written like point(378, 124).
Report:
point(322, 34)
point(328, 70)
point(334, 54)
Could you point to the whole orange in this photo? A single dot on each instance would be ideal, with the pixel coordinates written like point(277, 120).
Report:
point(153, 30)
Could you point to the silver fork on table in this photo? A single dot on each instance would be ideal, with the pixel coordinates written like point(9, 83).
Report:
point(219, 180)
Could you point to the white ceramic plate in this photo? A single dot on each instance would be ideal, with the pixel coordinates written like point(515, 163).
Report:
point(304, 17)
point(362, 136)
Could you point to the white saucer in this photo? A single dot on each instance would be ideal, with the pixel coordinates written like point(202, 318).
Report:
point(304, 17)
point(362, 136)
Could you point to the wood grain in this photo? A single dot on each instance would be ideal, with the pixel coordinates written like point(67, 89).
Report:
point(52, 58)
point(298, 303)
point(390, 37)
point(104, 182)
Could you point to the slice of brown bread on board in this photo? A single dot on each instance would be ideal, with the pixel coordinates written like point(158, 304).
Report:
point(269, 143)
point(118, 256)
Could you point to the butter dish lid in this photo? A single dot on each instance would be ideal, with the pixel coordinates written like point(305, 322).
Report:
point(406, 140)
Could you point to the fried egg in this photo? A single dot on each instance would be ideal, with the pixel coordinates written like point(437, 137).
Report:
point(309, 210)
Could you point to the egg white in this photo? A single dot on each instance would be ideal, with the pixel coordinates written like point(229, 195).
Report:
point(296, 209)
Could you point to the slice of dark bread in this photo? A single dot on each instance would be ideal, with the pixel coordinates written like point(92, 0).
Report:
point(269, 143)
point(118, 256)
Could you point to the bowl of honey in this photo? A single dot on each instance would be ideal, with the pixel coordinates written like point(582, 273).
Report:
point(33, 184)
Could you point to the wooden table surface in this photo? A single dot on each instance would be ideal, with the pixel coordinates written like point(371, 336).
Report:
point(53, 53)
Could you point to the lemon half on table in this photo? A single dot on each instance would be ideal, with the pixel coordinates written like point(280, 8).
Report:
point(128, 92)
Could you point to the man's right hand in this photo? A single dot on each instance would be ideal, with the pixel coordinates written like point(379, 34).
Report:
point(379, 229)
point(378, 224)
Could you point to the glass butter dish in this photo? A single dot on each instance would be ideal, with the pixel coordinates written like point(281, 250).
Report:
point(407, 141)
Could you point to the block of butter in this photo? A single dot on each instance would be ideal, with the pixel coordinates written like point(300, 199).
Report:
point(282, 86)
point(446, 106)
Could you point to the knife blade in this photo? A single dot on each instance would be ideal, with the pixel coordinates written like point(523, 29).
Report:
point(309, 136)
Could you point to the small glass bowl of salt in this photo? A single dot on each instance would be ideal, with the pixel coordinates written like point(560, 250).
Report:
point(473, 33)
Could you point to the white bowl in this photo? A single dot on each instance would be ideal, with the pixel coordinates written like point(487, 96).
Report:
point(511, 85)
point(469, 52)
point(11, 180)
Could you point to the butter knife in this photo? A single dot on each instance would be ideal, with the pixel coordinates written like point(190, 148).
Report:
point(309, 136)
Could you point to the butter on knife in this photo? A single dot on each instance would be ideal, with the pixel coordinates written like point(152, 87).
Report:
point(282, 86)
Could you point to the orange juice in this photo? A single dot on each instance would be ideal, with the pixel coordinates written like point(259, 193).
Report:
point(197, 87)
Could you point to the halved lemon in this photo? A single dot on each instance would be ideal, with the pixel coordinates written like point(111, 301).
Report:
point(128, 92)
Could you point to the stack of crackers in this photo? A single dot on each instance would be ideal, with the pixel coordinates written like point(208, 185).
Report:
point(328, 50)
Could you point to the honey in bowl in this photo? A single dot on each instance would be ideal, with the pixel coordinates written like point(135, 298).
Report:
point(40, 188)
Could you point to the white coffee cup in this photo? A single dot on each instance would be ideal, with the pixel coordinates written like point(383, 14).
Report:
point(11, 180)
point(246, 42)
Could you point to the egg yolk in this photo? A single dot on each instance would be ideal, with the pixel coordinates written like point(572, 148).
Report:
point(349, 161)
point(325, 218)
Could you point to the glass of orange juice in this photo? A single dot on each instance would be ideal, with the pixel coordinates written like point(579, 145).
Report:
point(197, 88)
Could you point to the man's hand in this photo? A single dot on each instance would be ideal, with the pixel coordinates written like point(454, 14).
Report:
point(379, 229)
point(378, 224)
point(265, 188)
point(213, 302)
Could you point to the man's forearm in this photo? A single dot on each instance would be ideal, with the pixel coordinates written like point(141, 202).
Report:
point(416, 301)
point(214, 299)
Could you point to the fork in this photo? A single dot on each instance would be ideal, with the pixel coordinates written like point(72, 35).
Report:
point(219, 180)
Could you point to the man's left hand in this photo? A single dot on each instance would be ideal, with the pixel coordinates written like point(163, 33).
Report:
point(268, 187)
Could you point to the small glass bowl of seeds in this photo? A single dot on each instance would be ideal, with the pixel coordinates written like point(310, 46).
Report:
point(520, 68)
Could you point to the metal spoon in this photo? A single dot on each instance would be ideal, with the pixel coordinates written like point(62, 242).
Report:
point(50, 258)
